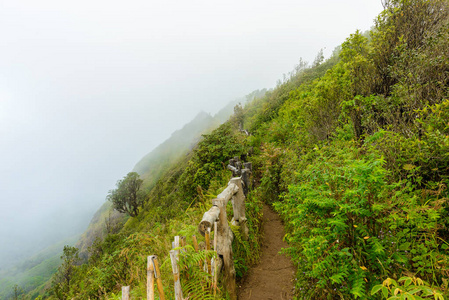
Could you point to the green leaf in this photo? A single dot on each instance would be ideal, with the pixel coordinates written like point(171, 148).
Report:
point(438, 296)
point(414, 291)
point(407, 282)
point(385, 291)
point(408, 167)
point(405, 246)
point(376, 288)
point(427, 291)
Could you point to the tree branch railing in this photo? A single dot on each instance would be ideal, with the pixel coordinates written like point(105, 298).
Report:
point(215, 219)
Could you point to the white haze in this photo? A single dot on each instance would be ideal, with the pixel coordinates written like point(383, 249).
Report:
point(87, 87)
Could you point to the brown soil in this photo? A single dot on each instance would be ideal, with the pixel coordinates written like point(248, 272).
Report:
point(273, 277)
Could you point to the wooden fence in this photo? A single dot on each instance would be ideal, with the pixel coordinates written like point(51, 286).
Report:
point(214, 219)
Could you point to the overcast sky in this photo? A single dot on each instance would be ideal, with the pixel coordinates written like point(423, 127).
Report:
point(88, 87)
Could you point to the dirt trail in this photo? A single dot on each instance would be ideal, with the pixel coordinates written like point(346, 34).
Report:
point(273, 277)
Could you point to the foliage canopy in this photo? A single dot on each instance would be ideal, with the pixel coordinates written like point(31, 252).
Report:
point(127, 197)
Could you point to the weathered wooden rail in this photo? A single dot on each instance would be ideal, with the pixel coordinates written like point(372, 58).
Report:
point(215, 219)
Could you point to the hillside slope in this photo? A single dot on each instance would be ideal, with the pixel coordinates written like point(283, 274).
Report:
point(33, 272)
point(351, 151)
point(151, 167)
point(106, 220)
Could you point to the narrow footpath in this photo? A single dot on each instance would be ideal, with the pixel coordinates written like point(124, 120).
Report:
point(273, 277)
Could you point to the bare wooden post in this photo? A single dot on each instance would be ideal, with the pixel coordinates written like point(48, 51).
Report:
point(207, 235)
point(234, 166)
point(174, 265)
point(150, 278)
point(246, 174)
point(158, 278)
point(224, 247)
point(238, 165)
point(245, 178)
point(232, 162)
point(195, 243)
point(234, 170)
point(215, 258)
point(176, 242)
point(183, 242)
point(239, 208)
point(125, 292)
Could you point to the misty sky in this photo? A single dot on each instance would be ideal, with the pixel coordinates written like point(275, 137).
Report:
point(88, 87)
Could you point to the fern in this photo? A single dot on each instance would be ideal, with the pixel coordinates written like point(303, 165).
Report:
point(358, 285)
point(196, 282)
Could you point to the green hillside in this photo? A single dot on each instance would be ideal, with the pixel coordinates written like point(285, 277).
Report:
point(353, 152)
point(32, 273)
point(151, 167)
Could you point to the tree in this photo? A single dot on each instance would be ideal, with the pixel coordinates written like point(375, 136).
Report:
point(17, 293)
point(62, 278)
point(127, 197)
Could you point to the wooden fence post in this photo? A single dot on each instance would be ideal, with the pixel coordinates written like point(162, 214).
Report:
point(246, 182)
point(248, 165)
point(235, 166)
point(223, 235)
point(239, 208)
point(246, 174)
point(150, 278)
point(195, 243)
point(125, 292)
point(207, 235)
point(176, 243)
point(224, 246)
point(215, 258)
point(158, 278)
point(174, 265)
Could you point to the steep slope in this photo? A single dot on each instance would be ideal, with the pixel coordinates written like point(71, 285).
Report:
point(352, 152)
point(151, 166)
point(356, 162)
point(34, 271)
point(107, 221)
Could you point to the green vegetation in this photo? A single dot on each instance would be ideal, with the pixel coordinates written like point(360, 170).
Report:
point(31, 274)
point(351, 151)
point(154, 164)
point(60, 285)
point(173, 206)
point(356, 159)
point(128, 197)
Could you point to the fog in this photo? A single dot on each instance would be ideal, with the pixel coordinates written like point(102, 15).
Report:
point(89, 87)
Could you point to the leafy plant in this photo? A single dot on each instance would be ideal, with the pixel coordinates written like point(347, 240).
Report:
point(407, 288)
point(127, 197)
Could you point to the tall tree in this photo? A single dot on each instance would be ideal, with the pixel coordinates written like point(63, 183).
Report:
point(62, 278)
point(127, 197)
